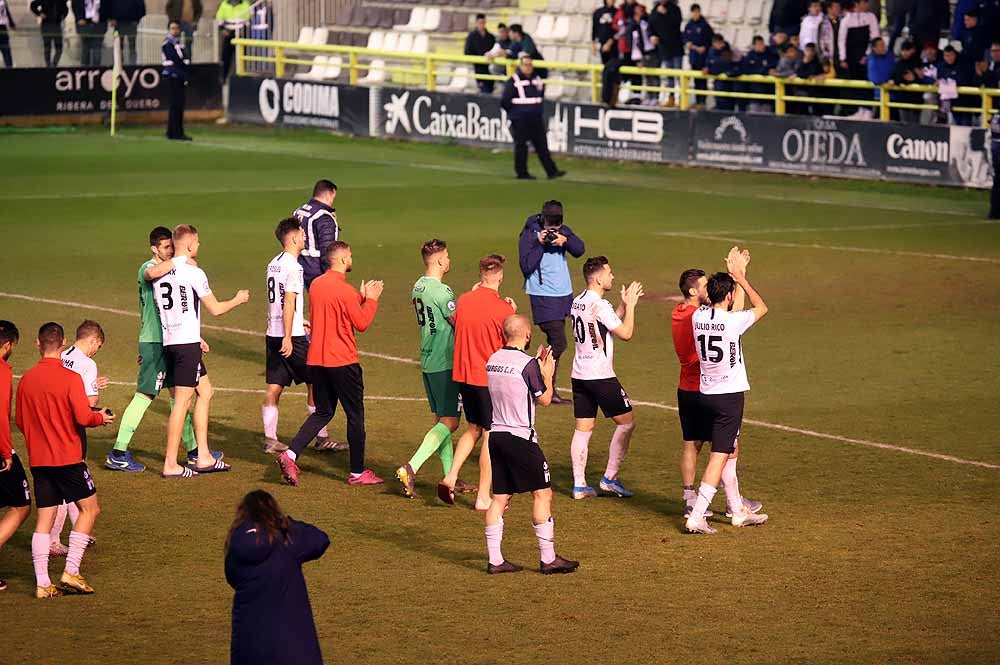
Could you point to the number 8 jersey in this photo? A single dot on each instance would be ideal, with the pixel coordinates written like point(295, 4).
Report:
point(284, 274)
point(717, 339)
point(593, 320)
point(178, 298)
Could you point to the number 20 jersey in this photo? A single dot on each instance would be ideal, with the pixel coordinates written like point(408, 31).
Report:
point(593, 320)
point(717, 339)
point(178, 298)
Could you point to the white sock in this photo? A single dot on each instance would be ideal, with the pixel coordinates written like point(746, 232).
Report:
point(494, 535)
point(546, 535)
point(705, 495)
point(578, 455)
point(732, 486)
point(73, 512)
point(690, 496)
point(291, 454)
point(77, 546)
point(55, 535)
point(270, 416)
point(619, 447)
point(40, 558)
point(322, 432)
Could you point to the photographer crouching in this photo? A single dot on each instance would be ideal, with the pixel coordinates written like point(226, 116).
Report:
point(542, 252)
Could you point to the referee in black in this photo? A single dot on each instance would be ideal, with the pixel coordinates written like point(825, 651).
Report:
point(175, 72)
point(524, 100)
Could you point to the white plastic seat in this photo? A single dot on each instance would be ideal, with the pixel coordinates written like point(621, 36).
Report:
point(546, 24)
point(459, 80)
point(416, 19)
point(421, 43)
point(376, 72)
point(305, 35)
point(560, 29)
point(718, 12)
point(405, 43)
point(753, 13)
point(581, 55)
point(530, 24)
point(432, 20)
point(564, 54)
point(578, 30)
point(334, 67)
point(553, 91)
point(319, 36)
point(743, 40)
point(375, 39)
point(556, 6)
point(317, 70)
point(737, 10)
point(391, 42)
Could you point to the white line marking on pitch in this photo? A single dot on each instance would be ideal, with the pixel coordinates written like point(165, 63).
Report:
point(256, 391)
point(866, 227)
point(656, 405)
point(838, 248)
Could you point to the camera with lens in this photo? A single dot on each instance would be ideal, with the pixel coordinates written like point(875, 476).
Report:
point(549, 235)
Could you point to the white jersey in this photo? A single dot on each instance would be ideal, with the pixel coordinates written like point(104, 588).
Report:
point(178, 297)
point(593, 320)
point(284, 274)
point(720, 350)
point(78, 361)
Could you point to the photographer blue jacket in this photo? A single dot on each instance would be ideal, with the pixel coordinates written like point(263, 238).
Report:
point(546, 271)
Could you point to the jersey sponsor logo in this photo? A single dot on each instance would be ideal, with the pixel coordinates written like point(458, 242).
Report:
point(451, 305)
point(502, 369)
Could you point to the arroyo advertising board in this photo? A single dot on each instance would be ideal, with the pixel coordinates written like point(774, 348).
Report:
point(302, 103)
point(79, 90)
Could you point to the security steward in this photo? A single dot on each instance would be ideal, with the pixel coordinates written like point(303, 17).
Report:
point(995, 149)
point(176, 64)
point(524, 100)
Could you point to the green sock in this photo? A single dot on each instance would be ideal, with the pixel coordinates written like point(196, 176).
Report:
point(432, 441)
point(446, 452)
point(134, 412)
point(187, 435)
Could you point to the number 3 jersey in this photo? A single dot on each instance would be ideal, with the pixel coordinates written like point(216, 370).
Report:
point(717, 340)
point(284, 274)
point(593, 320)
point(434, 302)
point(178, 298)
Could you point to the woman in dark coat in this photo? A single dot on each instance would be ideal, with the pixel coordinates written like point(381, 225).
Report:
point(272, 618)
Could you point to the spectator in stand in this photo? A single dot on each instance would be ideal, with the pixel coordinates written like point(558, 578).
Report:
point(521, 42)
point(502, 49)
point(187, 13)
point(897, 12)
point(909, 70)
point(720, 62)
point(665, 24)
point(974, 42)
point(6, 23)
point(995, 154)
point(622, 15)
point(786, 16)
point(697, 38)
point(811, 22)
point(779, 40)
point(993, 67)
point(602, 31)
point(125, 17)
point(811, 69)
point(829, 34)
point(232, 17)
point(858, 29)
point(880, 65)
point(958, 22)
point(479, 42)
point(788, 63)
point(949, 76)
point(52, 13)
point(91, 24)
point(927, 19)
point(641, 53)
point(760, 61)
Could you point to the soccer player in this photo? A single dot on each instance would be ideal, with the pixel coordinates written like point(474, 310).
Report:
point(51, 406)
point(318, 218)
point(286, 343)
point(595, 325)
point(180, 294)
point(337, 311)
point(14, 492)
point(479, 317)
point(718, 337)
point(695, 427)
point(79, 358)
point(435, 306)
point(152, 375)
point(517, 381)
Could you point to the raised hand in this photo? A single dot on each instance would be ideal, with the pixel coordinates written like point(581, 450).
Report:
point(631, 295)
point(373, 289)
point(510, 301)
point(547, 364)
point(736, 264)
point(242, 296)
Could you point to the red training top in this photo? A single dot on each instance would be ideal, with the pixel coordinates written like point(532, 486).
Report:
point(6, 389)
point(51, 404)
point(683, 331)
point(479, 317)
point(335, 312)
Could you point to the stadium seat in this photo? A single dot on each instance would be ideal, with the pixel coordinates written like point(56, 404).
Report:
point(376, 39)
point(459, 80)
point(317, 70)
point(421, 43)
point(305, 35)
point(519, 19)
point(391, 41)
point(334, 67)
point(579, 30)
point(753, 12)
point(556, 7)
point(553, 91)
point(371, 17)
point(563, 54)
point(530, 24)
point(320, 35)
point(581, 55)
point(717, 12)
point(405, 44)
point(546, 24)
point(416, 19)
point(737, 10)
point(375, 74)
point(743, 39)
point(404, 23)
point(560, 30)
point(432, 19)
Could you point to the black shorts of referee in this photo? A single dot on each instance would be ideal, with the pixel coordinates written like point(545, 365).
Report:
point(519, 465)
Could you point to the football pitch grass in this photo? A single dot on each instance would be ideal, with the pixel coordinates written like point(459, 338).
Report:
point(871, 434)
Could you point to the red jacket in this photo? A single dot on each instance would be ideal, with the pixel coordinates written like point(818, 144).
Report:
point(620, 20)
point(51, 405)
point(6, 389)
point(335, 312)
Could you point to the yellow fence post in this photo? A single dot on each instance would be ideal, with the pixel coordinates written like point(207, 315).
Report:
point(986, 108)
point(241, 63)
point(595, 86)
point(779, 97)
point(431, 79)
point(685, 102)
point(884, 112)
point(279, 62)
point(353, 62)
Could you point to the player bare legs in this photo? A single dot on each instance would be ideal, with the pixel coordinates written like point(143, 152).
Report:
point(202, 407)
point(541, 520)
point(175, 426)
point(473, 433)
point(579, 450)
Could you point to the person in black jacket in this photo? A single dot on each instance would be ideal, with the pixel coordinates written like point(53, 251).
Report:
point(175, 73)
point(6, 23)
point(91, 24)
point(665, 26)
point(602, 31)
point(479, 42)
point(272, 617)
point(52, 13)
point(524, 100)
point(786, 16)
point(125, 17)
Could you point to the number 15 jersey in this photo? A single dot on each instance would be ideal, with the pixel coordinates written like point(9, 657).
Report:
point(717, 339)
point(593, 320)
point(178, 298)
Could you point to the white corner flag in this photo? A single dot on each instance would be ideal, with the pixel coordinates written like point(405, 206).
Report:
point(116, 73)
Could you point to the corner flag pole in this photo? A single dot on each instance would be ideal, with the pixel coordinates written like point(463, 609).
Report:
point(116, 72)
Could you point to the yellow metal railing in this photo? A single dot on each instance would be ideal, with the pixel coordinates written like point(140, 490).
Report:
point(425, 67)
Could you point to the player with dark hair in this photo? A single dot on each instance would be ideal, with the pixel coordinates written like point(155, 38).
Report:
point(318, 218)
point(14, 492)
point(595, 325)
point(479, 317)
point(434, 304)
point(718, 335)
point(51, 407)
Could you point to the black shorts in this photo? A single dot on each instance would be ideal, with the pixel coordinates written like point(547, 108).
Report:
point(14, 492)
point(588, 394)
point(57, 484)
point(695, 425)
point(477, 405)
point(518, 465)
point(725, 414)
point(184, 365)
point(282, 371)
